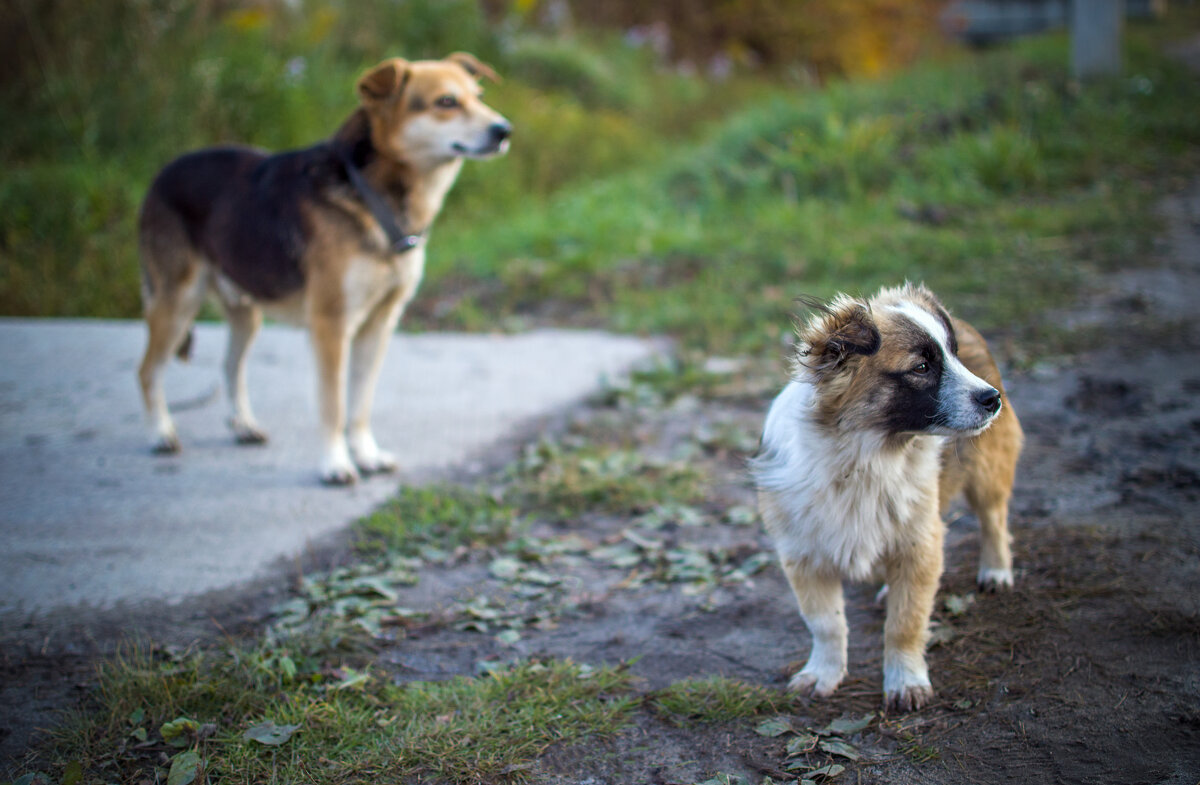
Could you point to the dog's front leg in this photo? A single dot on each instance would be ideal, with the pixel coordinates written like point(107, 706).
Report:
point(912, 585)
point(331, 342)
point(823, 608)
point(366, 358)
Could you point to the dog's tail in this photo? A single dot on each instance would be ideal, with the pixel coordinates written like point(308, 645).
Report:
point(184, 352)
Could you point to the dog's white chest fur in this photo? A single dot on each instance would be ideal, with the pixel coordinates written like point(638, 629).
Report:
point(371, 279)
point(840, 502)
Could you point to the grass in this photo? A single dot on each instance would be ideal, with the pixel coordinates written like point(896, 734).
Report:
point(564, 483)
point(917, 752)
point(437, 518)
point(992, 178)
point(341, 725)
point(716, 699)
point(634, 198)
point(310, 683)
point(343, 719)
point(550, 482)
point(328, 722)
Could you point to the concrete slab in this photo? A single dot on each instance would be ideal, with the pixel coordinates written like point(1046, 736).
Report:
point(89, 516)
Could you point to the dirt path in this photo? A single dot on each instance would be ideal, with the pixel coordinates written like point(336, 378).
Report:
point(1088, 672)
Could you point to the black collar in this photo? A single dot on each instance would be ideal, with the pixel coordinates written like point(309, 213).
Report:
point(399, 241)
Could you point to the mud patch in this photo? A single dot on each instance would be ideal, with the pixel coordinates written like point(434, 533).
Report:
point(1108, 397)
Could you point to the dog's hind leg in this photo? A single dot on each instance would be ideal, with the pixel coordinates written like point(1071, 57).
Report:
point(823, 607)
point(174, 284)
point(995, 555)
point(367, 351)
point(170, 312)
point(988, 487)
point(244, 323)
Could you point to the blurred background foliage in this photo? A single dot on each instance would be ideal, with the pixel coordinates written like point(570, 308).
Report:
point(864, 37)
point(679, 166)
point(97, 96)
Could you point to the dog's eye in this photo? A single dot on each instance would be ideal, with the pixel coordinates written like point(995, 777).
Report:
point(446, 102)
point(921, 369)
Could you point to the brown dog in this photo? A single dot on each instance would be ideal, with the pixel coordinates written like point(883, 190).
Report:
point(331, 236)
point(893, 410)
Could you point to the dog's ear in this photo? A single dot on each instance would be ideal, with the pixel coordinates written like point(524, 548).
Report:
point(837, 331)
point(384, 81)
point(472, 65)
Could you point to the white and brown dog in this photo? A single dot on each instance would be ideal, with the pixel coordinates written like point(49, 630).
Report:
point(331, 236)
point(893, 409)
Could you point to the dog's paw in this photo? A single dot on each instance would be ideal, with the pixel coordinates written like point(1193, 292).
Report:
point(817, 682)
point(166, 445)
point(336, 466)
point(368, 457)
point(337, 469)
point(993, 579)
point(382, 462)
point(339, 477)
point(908, 698)
point(247, 433)
point(906, 684)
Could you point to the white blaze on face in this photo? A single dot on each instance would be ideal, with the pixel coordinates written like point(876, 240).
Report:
point(465, 134)
point(957, 404)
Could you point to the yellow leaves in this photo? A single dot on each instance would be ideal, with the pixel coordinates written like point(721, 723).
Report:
point(314, 26)
point(322, 24)
point(248, 19)
point(869, 37)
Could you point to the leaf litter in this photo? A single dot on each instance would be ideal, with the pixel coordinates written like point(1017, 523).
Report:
point(807, 743)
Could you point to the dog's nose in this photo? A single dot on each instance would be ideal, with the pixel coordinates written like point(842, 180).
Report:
point(989, 399)
point(500, 131)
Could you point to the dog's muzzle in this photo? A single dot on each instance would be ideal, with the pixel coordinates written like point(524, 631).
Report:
point(498, 134)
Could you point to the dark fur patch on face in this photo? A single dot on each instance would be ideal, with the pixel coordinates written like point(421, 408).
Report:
point(890, 365)
point(876, 367)
point(909, 377)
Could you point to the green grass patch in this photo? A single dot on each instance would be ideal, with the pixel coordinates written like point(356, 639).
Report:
point(716, 699)
point(565, 482)
point(550, 481)
point(432, 521)
point(333, 724)
point(634, 198)
point(682, 374)
point(993, 178)
point(917, 752)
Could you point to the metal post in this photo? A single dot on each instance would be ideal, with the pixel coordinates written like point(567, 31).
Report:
point(1095, 37)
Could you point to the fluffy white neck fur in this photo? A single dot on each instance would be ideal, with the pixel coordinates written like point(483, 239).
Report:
point(844, 498)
